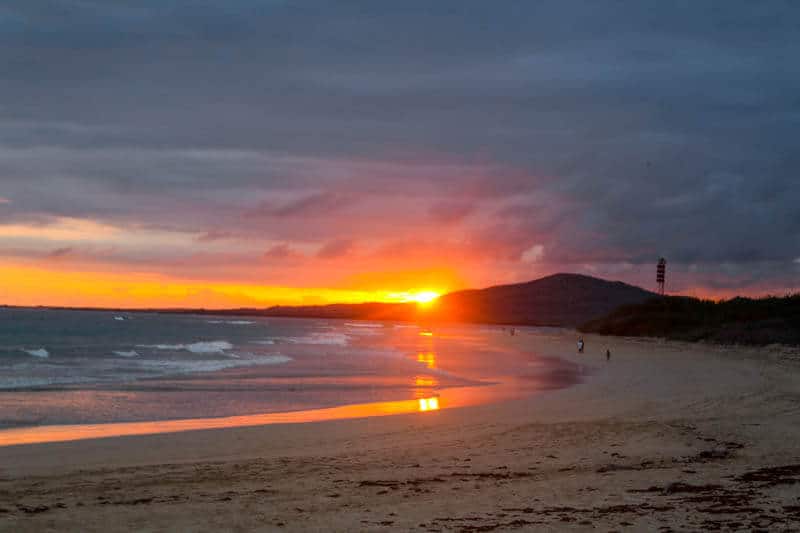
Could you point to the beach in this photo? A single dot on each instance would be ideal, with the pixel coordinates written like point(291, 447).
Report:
point(663, 436)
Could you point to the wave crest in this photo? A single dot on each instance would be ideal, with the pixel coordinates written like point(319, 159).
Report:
point(203, 347)
point(334, 339)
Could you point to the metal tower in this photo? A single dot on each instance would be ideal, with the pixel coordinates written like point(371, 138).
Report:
point(661, 273)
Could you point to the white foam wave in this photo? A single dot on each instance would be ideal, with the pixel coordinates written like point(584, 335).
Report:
point(232, 322)
point(172, 366)
point(365, 332)
point(40, 353)
point(266, 341)
point(333, 339)
point(363, 325)
point(132, 353)
point(196, 347)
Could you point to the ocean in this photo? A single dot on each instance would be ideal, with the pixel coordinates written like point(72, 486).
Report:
point(62, 367)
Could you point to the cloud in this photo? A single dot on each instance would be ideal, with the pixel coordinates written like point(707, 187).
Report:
point(449, 212)
point(335, 248)
point(60, 253)
point(281, 252)
point(607, 134)
point(533, 254)
point(313, 205)
point(214, 235)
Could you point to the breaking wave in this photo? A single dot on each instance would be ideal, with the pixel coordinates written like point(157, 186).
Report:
point(205, 347)
point(191, 367)
point(333, 339)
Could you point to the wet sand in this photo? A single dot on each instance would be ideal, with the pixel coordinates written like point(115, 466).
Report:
point(663, 436)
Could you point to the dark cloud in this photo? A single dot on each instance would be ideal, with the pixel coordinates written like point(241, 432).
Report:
point(336, 248)
point(281, 252)
point(450, 212)
point(313, 205)
point(607, 133)
point(60, 253)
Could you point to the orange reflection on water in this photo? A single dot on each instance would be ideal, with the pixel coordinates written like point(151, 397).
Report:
point(428, 358)
point(425, 381)
point(426, 334)
point(456, 397)
point(429, 404)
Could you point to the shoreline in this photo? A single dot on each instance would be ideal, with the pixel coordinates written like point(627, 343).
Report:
point(663, 435)
point(433, 386)
point(446, 398)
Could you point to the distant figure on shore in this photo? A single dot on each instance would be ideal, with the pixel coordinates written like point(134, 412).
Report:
point(513, 332)
point(608, 355)
point(580, 345)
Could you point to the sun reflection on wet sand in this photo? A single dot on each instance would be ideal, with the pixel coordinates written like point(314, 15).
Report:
point(429, 404)
point(455, 397)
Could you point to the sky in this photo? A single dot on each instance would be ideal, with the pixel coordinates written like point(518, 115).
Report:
point(248, 153)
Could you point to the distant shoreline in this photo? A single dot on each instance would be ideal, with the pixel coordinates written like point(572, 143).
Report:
point(591, 305)
point(560, 300)
point(267, 313)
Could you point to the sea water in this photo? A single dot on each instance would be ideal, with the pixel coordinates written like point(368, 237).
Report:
point(89, 367)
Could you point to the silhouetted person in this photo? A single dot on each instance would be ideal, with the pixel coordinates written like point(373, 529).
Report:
point(580, 345)
point(608, 355)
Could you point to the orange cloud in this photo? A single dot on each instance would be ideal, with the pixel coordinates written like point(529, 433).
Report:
point(61, 229)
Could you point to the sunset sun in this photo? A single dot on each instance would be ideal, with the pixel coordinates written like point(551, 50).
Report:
point(423, 297)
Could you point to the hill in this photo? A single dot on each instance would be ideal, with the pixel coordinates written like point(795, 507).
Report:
point(557, 300)
point(737, 321)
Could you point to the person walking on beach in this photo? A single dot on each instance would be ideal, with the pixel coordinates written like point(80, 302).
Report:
point(608, 355)
point(580, 345)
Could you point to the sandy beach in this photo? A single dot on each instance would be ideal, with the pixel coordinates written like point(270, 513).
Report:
point(664, 436)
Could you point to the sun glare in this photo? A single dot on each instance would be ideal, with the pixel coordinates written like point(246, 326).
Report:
point(424, 297)
point(429, 404)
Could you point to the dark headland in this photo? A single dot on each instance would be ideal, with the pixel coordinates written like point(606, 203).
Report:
point(563, 300)
point(592, 305)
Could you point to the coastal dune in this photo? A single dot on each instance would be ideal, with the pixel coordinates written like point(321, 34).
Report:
point(664, 435)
